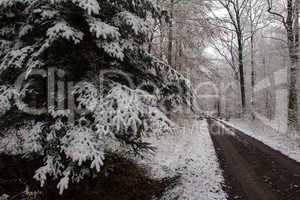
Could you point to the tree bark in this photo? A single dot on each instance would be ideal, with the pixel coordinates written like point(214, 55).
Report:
point(239, 33)
point(241, 71)
point(161, 41)
point(292, 25)
point(252, 65)
point(252, 79)
point(170, 45)
point(180, 56)
point(267, 93)
point(150, 43)
point(297, 70)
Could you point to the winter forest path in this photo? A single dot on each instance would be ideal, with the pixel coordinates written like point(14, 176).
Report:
point(253, 170)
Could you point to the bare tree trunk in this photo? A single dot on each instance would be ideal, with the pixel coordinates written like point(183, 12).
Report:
point(218, 108)
point(252, 79)
point(293, 43)
point(291, 24)
point(241, 71)
point(161, 41)
point(252, 64)
point(267, 93)
point(239, 33)
point(176, 54)
point(170, 45)
point(297, 70)
point(150, 43)
point(235, 10)
point(180, 55)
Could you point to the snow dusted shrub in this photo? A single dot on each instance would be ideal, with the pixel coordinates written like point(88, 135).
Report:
point(6, 95)
point(4, 197)
point(83, 38)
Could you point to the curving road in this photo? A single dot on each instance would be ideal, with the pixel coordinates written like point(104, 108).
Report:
point(253, 170)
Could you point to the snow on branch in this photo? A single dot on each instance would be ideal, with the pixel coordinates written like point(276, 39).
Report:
point(103, 30)
point(53, 167)
point(23, 141)
point(114, 117)
point(137, 24)
point(131, 112)
point(7, 94)
point(82, 144)
point(113, 49)
point(11, 3)
point(16, 58)
point(90, 6)
point(63, 30)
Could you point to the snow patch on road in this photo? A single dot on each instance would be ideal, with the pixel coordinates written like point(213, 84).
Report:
point(276, 140)
point(190, 154)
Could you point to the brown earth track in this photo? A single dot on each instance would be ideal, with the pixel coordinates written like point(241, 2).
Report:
point(253, 170)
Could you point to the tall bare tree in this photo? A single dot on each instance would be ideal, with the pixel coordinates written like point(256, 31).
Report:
point(178, 38)
point(170, 35)
point(255, 14)
point(234, 10)
point(291, 25)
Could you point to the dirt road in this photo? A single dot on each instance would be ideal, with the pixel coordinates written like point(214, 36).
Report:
point(252, 170)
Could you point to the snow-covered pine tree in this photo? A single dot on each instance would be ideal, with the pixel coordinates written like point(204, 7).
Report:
point(83, 38)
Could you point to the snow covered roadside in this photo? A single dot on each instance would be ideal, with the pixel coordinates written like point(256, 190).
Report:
point(191, 154)
point(276, 140)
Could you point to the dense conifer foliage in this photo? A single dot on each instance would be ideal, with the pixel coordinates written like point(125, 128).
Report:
point(92, 52)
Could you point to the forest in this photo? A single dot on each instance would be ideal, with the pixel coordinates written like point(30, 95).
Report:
point(149, 99)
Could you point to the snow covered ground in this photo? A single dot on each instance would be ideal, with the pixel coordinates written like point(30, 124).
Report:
point(189, 153)
point(282, 142)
